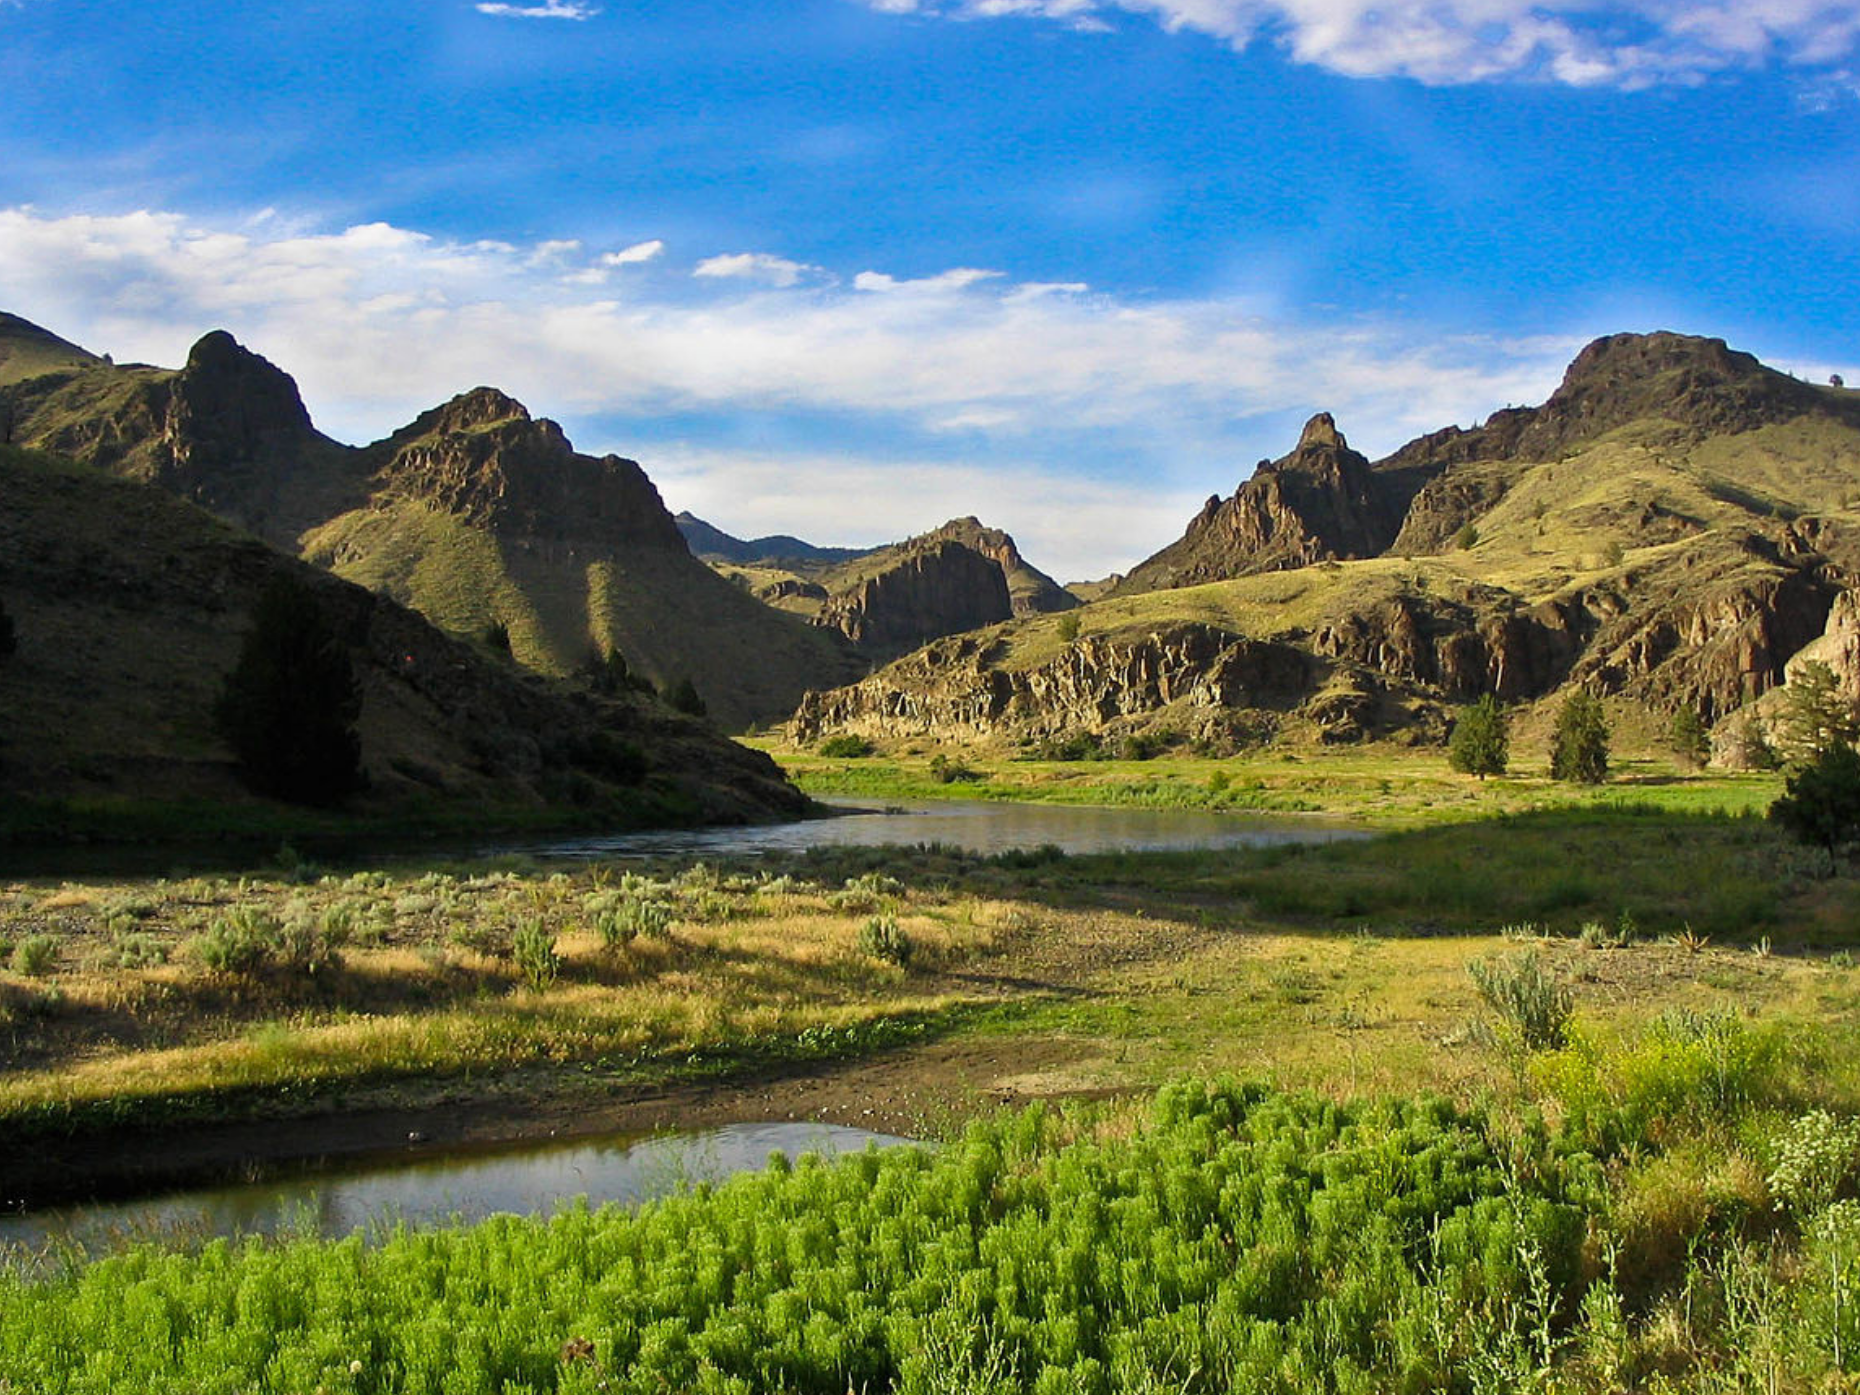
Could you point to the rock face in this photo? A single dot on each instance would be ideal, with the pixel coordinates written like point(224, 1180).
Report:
point(956, 687)
point(482, 459)
point(1320, 502)
point(1030, 590)
point(931, 588)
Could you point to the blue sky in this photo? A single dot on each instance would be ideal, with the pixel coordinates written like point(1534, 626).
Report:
point(848, 267)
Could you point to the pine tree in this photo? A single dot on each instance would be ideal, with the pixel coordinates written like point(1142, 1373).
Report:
point(1481, 740)
point(288, 708)
point(1579, 749)
point(683, 697)
point(1691, 741)
point(1816, 714)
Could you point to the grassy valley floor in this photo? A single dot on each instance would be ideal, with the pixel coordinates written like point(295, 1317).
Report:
point(1667, 994)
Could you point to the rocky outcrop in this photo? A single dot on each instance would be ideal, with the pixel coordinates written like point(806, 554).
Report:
point(932, 588)
point(1321, 502)
point(482, 459)
point(1031, 591)
point(956, 687)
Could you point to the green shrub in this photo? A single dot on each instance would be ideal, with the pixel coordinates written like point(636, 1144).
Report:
point(532, 946)
point(882, 937)
point(1579, 746)
point(846, 747)
point(240, 941)
point(1480, 744)
point(137, 949)
point(35, 955)
point(490, 937)
point(1526, 996)
point(1815, 1159)
point(1821, 801)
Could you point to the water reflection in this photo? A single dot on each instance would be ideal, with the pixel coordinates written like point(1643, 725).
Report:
point(978, 826)
point(527, 1180)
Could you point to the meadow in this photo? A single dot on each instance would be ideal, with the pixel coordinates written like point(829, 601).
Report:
point(1558, 1099)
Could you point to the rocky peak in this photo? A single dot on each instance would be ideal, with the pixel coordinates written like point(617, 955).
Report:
point(484, 459)
point(1031, 590)
point(931, 587)
point(230, 403)
point(1321, 433)
point(1319, 502)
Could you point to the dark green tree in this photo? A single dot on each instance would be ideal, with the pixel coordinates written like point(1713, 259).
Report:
point(1816, 714)
point(1579, 747)
point(1481, 740)
point(607, 672)
point(288, 708)
point(1690, 740)
point(1751, 749)
point(683, 697)
point(9, 641)
point(1821, 802)
point(496, 637)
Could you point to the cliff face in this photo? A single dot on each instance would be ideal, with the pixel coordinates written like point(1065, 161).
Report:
point(931, 588)
point(1030, 590)
point(957, 687)
point(1320, 502)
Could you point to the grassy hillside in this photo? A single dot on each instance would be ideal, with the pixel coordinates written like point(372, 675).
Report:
point(130, 607)
point(26, 351)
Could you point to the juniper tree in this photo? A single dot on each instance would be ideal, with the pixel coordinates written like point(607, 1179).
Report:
point(288, 708)
point(1480, 744)
point(1821, 802)
point(1579, 748)
point(1690, 740)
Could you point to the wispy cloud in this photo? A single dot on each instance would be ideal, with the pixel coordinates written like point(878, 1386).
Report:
point(754, 266)
point(1025, 381)
point(638, 253)
point(551, 9)
point(1583, 43)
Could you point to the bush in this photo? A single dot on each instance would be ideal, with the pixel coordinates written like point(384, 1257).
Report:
point(949, 772)
point(846, 747)
point(35, 955)
point(1466, 538)
point(238, 942)
point(1821, 801)
point(288, 708)
point(1480, 744)
point(1579, 748)
point(882, 937)
point(1526, 996)
point(1068, 627)
point(137, 949)
point(533, 948)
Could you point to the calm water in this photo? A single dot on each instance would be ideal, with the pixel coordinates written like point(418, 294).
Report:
point(528, 1180)
point(980, 826)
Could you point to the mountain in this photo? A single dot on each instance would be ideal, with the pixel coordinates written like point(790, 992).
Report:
point(228, 431)
point(1670, 526)
point(475, 514)
point(130, 606)
point(776, 550)
point(479, 515)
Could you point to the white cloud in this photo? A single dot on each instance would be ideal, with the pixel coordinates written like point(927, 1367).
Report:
point(1071, 528)
point(754, 266)
point(634, 255)
point(551, 9)
point(1584, 43)
point(378, 322)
